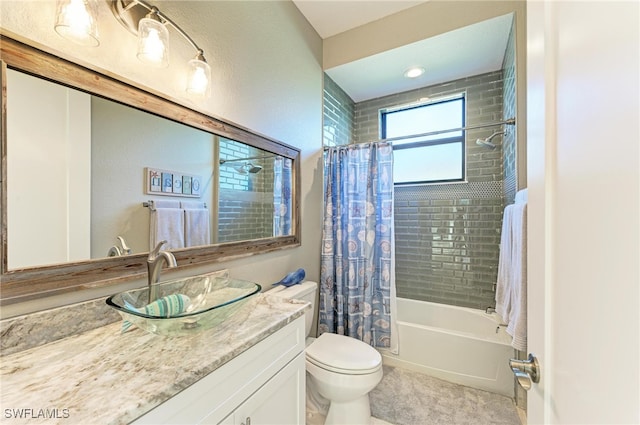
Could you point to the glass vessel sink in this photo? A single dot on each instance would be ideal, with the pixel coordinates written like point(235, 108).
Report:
point(184, 305)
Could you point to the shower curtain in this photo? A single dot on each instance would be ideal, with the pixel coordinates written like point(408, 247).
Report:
point(357, 275)
point(282, 196)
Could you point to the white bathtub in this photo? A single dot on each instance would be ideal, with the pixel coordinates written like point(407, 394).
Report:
point(461, 345)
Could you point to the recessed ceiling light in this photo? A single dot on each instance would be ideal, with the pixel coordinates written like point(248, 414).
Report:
point(414, 72)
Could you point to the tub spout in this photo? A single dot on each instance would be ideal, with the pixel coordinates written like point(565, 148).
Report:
point(490, 310)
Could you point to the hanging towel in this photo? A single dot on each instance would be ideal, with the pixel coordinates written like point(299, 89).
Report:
point(166, 224)
point(522, 196)
point(166, 203)
point(192, 205)
point(503, 287)
point(196, 224)
point(517, 327)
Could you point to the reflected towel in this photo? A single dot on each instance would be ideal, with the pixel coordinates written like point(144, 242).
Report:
point(196, 223)
point(166, 224)
point(517, 325)
point(192, 205)
point(166, 203)
point(196, 230)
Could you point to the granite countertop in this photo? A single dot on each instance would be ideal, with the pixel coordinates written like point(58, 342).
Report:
point(105, 377)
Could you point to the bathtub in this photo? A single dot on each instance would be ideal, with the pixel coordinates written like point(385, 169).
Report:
point(460, 345)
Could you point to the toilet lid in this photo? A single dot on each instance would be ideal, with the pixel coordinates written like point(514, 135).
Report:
point(343, 354)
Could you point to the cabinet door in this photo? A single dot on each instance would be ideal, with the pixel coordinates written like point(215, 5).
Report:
point(280, 401)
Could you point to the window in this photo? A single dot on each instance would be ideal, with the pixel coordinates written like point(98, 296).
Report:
point(427, 159)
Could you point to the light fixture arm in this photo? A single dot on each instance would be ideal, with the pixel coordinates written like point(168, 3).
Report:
point(167, 20)
point(151, 42)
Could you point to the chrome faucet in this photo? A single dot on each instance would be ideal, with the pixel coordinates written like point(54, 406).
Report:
point(154, 265)
point(490, 310)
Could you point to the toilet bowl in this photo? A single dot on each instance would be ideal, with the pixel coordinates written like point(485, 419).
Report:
point(344, 370)
point(340, 369)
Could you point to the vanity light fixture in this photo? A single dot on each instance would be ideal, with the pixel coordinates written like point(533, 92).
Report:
point(76, 21)
point(414, 72)
point(150, 25)
point(153, 40)
point(199, 76)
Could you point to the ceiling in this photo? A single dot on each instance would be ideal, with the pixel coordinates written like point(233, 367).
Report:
point(331, 17)
point(461, 53)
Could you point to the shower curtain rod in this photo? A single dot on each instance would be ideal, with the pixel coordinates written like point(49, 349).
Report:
point(510, 121)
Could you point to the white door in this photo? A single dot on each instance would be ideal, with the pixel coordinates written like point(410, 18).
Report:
point(584, 193)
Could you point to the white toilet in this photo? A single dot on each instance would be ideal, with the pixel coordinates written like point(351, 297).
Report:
point(340, 369)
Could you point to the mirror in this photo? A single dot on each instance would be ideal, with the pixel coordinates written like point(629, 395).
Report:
point(88, 181)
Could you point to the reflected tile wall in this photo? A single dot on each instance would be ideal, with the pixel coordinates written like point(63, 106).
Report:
point(509, 105)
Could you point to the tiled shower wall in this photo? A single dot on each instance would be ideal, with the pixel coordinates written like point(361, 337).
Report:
point(338, 110)
point(448, 235)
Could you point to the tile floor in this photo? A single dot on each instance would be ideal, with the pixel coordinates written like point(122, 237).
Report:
point(408, 398)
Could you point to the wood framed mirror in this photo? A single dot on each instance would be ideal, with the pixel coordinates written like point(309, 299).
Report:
point(230, 175)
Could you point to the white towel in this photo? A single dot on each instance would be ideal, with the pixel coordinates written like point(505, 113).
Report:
point(522, 195)
point(503, 288)
point(166, 203)
point(166, 224)
point(192, 205)
point(196, 230)
point(517, 327)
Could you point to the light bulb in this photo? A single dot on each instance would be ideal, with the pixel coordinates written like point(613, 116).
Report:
point(76, 21)
point(198, 83)
point(153, 42)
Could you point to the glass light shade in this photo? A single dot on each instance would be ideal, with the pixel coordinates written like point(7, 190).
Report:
point(153, 42)
point(199, 78)
point(76, 21)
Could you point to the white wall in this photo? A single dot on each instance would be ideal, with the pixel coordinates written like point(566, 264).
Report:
point(267, 76)
point(49, 191)
point(119, 156)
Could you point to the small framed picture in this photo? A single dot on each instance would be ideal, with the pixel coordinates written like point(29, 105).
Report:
point(167, 182)
point(171, 183)
point(186, 185)
point(177, 183)
point(195, 185)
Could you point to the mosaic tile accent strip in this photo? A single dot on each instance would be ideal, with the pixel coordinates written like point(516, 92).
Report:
point(471, 190)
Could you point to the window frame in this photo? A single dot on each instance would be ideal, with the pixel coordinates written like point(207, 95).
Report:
point(434, 142)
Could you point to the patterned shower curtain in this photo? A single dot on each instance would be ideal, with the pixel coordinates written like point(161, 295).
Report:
point(282, 196)
point(357, 290)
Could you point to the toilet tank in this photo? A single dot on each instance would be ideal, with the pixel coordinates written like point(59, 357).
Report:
point(305, 291)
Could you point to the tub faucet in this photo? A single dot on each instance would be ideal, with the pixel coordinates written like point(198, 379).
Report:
point(490, 310)
point(154, 265)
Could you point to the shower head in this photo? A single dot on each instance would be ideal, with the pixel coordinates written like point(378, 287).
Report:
point(246, 168)
point(487, 142)
point(252, 168)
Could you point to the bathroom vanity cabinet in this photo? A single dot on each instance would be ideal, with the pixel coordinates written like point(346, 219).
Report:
point(263, 385)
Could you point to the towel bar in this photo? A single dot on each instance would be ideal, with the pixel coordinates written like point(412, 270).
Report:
point(150, 204)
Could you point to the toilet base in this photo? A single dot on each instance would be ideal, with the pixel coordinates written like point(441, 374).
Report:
point(355, 412)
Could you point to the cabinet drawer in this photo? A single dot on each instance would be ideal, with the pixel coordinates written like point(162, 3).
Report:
point(216, 395)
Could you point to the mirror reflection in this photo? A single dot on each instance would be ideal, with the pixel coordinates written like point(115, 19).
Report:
point(105, 179)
